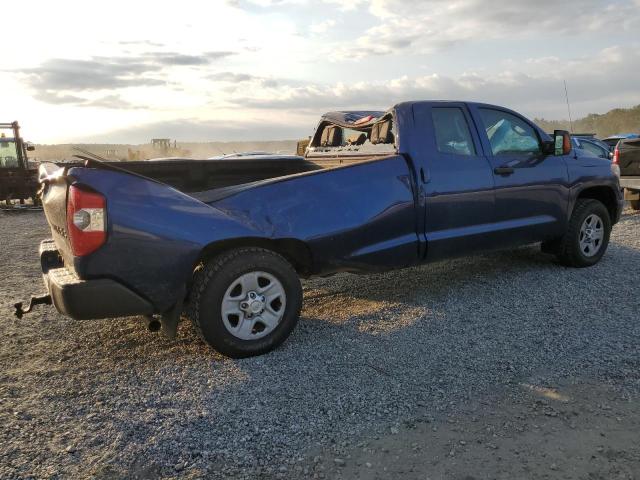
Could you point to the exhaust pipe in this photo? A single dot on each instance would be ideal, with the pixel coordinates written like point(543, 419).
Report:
point(153, 324)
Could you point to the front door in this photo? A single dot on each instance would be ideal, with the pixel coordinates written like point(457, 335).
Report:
point(531, 188)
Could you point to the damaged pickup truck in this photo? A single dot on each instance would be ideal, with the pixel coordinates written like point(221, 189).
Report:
point(390, 189)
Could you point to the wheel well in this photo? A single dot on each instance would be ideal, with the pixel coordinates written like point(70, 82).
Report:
point(295, 251)
point(604, 195)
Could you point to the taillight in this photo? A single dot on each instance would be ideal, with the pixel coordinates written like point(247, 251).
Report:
point(86, 220)
point(616, 156)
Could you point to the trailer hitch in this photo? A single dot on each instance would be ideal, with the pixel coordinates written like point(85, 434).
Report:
point(41, 300)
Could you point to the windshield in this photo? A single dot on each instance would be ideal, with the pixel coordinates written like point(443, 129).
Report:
point(8, 153)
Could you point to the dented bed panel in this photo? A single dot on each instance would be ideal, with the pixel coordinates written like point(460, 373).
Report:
point(360, 217)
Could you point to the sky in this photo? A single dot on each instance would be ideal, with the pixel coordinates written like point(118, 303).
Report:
point(195, 70)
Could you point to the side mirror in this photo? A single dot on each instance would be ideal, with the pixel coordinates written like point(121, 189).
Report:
point(561, 142)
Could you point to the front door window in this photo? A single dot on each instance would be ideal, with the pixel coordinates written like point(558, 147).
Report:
point(508, 134)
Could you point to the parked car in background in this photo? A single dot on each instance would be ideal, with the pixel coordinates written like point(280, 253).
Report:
point(417, 183)
point(627, 156)
point(591, 145)
point(613, 140)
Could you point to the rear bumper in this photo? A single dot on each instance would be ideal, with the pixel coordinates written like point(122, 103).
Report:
point(87, 299)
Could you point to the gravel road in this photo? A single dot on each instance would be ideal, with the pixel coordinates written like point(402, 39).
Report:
point(442, 371)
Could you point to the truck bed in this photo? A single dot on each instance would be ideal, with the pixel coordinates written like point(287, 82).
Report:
point(194, 176)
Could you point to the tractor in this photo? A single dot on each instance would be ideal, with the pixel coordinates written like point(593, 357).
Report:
point(18, 181)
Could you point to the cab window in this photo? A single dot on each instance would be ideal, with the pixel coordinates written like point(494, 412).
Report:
point(508, 134)
point(452, 131)
point(8, 154)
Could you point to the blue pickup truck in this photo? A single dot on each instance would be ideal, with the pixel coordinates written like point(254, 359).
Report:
point(377, 190)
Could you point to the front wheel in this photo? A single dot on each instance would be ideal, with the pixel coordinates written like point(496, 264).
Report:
point(635, 204)
point(587, 235)
point(245, 302)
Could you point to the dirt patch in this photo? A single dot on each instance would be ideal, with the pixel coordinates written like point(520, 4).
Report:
point(570, 432)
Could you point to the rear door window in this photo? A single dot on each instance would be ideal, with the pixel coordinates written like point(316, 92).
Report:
point(452, 131)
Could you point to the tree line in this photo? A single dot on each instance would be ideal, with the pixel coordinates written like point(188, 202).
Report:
point(618, 120)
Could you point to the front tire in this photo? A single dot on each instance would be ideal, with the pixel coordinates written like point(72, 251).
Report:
point(635, 204)
point(587, 235)
point(245, 302)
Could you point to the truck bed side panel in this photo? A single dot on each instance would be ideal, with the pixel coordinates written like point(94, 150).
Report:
point(357, 218)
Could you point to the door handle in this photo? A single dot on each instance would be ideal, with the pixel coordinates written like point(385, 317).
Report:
point(503, 170)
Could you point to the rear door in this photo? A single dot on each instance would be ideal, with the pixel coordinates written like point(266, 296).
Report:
point(456, 178)
point(531, 188)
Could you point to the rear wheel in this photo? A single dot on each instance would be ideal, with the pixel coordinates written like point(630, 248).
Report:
point(245, 302)
point(635, 204)
point(587, 235)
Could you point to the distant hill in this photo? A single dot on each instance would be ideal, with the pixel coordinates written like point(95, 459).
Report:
point(619, 120)
point(144, 151)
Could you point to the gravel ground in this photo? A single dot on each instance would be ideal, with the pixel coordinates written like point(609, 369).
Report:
point(379, 368)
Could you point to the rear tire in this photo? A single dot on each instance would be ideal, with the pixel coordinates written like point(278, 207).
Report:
point(245, 302)
point(635, 204)
point(587, 235)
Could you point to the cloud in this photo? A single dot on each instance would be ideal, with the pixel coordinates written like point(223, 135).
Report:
point(534, 86)
point(250, 4)
point(110, 101)
point(421, 27)
point(106, 101)
point(179, 59)
point(410, 26)
point(397, 26)
point(59, 80)
point(146, 43)
point(58, 98)
point(289, 109)
point(232, 77)
point(243, 78)
point(96, 73)
point(322, 27)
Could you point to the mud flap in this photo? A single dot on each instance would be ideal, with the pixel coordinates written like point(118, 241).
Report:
point(169, 320)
